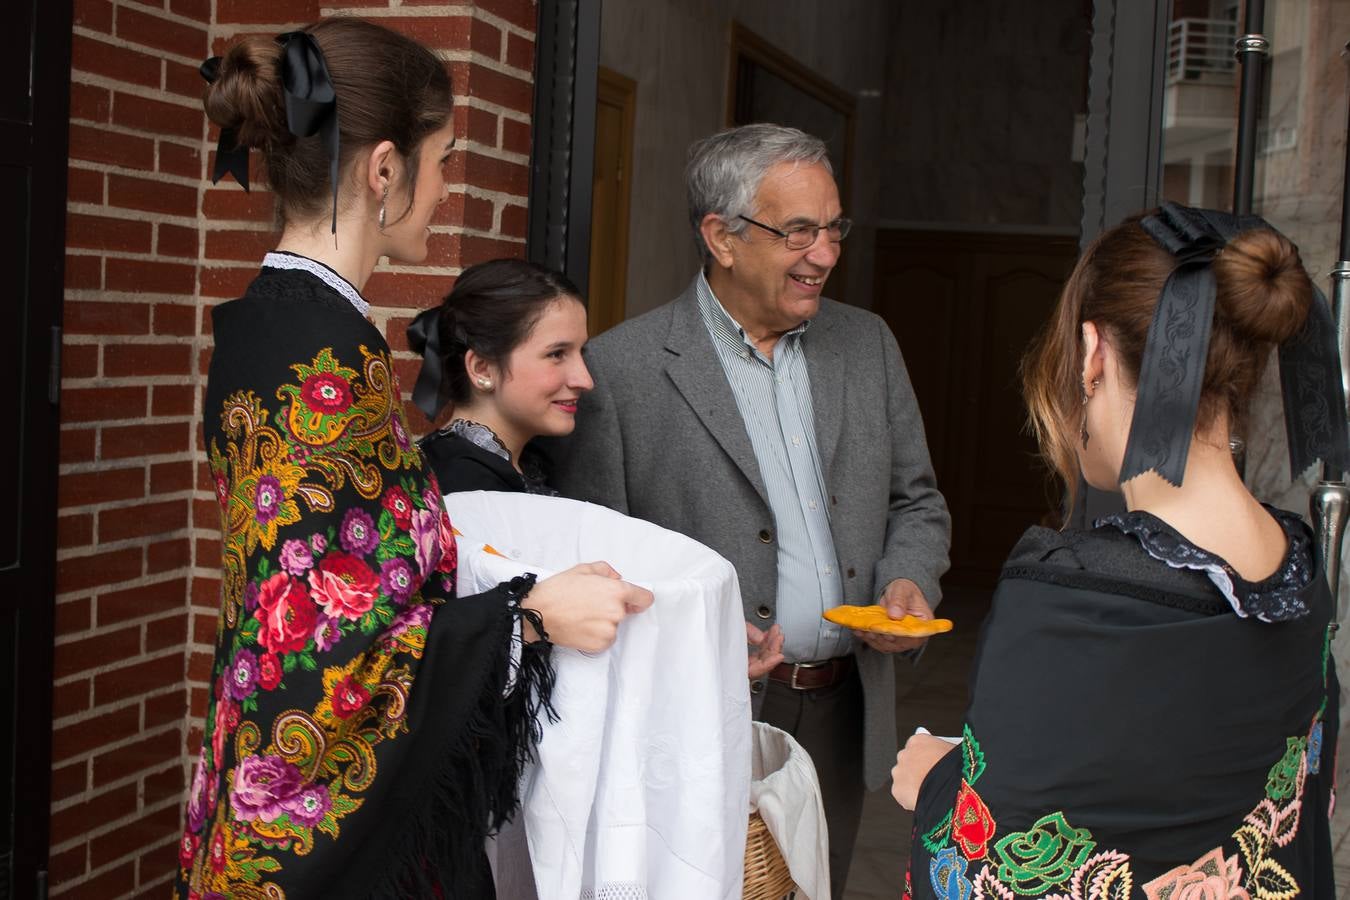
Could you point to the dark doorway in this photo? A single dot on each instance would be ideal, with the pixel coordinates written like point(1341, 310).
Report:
point(964, 307)
point(34, 99)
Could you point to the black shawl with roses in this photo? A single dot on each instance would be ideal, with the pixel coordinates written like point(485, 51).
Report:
point(1134, 731)
point(360, 738)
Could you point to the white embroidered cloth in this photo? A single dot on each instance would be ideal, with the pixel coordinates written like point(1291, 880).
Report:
point(642, 787)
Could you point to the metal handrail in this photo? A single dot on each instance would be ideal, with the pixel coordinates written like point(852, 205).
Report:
point(1200, 47)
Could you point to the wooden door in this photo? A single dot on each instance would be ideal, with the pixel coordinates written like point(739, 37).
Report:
point(615, 112)
point(964, 308)
point(34, 102)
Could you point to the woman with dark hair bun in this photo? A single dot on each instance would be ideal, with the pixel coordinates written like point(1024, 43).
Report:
point(366, 727)
point(1153, 708)
point(510, 335)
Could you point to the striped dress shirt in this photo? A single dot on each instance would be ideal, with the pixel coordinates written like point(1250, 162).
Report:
point(773, 396)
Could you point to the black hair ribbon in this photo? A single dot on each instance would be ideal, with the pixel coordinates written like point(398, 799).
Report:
point(432, 391)
point(1172, 371)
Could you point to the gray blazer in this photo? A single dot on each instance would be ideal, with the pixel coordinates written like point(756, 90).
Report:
point(660, 438)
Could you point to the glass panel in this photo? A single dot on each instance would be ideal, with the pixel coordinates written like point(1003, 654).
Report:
point(1200, 103)
point(1300, 144)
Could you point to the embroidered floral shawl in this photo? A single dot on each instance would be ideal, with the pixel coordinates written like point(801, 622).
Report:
point(359, 738)
point(1131, 736)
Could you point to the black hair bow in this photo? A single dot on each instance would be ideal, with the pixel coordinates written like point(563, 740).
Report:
point(311, 98)
point(432, 390)
point(1172, 371)
point(311, 108)
point(231, 158)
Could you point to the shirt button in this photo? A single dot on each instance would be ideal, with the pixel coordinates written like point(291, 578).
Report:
point(796, 440)
point(756, 687)
point(829, 571)
point(850, 572)
point(811, 504)
point(765, 536)
point(763, 611)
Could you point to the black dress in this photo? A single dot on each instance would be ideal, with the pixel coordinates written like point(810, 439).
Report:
point(360, 739)
point(467, 456)
point(1142, 723)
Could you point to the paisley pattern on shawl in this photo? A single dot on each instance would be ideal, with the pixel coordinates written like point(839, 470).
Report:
point(338, 565)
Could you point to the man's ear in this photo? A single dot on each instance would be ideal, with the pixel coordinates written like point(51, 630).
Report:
point(717, 239)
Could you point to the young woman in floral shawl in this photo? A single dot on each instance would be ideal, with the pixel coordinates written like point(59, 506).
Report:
point(366, 727)
point(1153, 707)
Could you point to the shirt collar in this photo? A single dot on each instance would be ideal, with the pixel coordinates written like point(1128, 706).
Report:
point(726, 329)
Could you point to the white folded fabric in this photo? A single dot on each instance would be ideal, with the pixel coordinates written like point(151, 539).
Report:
point(786, 792)
point(642, 787)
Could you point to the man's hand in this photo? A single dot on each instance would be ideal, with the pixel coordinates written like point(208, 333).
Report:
point(766, 649)
point(901, 598)
point(912, 765)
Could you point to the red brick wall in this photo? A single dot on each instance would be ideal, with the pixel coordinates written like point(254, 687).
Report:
point(150, 248)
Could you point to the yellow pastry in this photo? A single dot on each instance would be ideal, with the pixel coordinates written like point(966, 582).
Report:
point(874, 619)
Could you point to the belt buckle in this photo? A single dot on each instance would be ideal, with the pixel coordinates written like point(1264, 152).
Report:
point(797, 667)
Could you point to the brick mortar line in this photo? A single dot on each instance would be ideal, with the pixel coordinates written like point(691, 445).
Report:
point(92, 79)
point(488, 106)
point(128, 131)
point(422, 12)
point(94, 711)
point(479, 58)
point(108, 828)
point(126, 43)
point(128, 214)
point(163, 13)
point(68, 554)
point(496, 196)
point(121, 743)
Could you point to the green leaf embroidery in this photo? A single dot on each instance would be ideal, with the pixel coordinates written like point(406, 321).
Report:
point(937, 836)
point(307, 662)
point(1282, 783)
point(973, 756)
point(288, 662)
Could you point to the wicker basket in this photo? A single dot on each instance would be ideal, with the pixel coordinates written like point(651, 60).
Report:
point(766, 872)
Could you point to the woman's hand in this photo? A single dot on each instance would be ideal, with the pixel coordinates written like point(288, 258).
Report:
point(582, 607)
point(912, 765)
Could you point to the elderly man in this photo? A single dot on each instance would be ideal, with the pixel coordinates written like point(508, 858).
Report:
point(780, 429)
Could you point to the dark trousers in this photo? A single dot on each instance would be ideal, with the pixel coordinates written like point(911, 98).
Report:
point(828, 723)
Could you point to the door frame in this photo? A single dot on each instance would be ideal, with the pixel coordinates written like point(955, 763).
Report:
point(45, 139)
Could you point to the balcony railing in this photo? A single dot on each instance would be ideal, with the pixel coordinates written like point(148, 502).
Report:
point(1200, 49)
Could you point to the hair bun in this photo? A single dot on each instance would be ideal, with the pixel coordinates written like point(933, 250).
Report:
point(1263, 291)
point(246, 96)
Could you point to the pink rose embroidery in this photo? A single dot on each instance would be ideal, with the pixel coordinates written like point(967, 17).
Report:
point(1211, 877)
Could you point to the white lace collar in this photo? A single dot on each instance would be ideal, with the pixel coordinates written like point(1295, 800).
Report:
point(284, 260)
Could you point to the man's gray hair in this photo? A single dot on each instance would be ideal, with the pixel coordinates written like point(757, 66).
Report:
point(725, 170)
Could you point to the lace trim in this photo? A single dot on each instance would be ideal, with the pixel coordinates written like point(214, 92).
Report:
point(480, 436)
point(1274, 599)
point(283, 260)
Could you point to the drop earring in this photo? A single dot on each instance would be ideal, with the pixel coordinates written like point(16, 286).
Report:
point(1082, 428)
point(384, 200)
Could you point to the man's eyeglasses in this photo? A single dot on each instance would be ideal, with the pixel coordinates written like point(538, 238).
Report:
point(799, 237)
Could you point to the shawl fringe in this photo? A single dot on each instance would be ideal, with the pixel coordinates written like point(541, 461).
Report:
point(439, 852)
